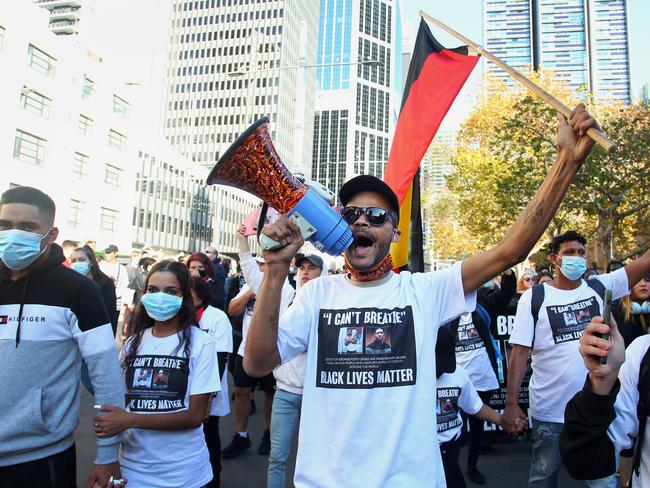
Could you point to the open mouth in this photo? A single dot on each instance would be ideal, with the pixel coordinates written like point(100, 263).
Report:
point(361, 245)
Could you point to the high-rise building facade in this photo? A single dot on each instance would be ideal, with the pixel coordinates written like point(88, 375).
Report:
point(64, 15)
point(354, 102)
point(67, 127)
point(584, 41)
point(231, 62)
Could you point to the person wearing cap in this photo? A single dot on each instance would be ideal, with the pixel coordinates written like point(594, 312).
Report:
point(120, 276)
point(345, 390)
point(244, 302)
point(289, 379)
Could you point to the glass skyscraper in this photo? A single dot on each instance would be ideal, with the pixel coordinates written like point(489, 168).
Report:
point(354, 103)
point(584, 41)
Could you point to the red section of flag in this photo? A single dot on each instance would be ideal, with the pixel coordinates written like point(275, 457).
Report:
point(430, 96)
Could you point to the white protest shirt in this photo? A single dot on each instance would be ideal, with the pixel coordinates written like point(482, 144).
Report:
point(558, 369)
point(472, 355)
point(215, 322)
point(625, 426)
point(454, 392)
point(357, 405)
point(254, 278)
point(161, 380)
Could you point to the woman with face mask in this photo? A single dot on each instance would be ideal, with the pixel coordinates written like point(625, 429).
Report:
point(83, 261)
point(170, 369)
point(200, 266)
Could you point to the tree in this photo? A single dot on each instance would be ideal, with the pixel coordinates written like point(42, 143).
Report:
point(506, 147)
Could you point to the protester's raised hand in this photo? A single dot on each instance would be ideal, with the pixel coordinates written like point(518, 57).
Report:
point(572, 138)
point(287, 233)
point(242, 239)
point(593, 347)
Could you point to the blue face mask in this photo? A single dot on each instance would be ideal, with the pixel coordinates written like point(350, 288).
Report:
point(161, 306)
point(573, 267)
point(81, 267)
point(19, 248)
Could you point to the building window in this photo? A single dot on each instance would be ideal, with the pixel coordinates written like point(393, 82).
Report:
point(74, 216)
point(85, 125)
point(112, 175)
point(108, 220)
point(88, 88)
point(41, 61)
point(34, 102)
point(80, 166)
point(120, 106)
point(116, 140)
point(2, 37)
point(29, 148)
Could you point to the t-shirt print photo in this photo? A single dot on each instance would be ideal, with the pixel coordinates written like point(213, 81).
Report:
point(157, 383)
point(568, 321)
point(366, 348)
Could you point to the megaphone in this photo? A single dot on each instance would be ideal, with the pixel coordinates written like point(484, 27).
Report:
point(252, 164)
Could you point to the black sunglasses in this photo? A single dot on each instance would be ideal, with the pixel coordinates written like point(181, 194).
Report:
point(374, 215)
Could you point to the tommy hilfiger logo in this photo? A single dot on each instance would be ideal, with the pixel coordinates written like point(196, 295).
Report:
point(5, 319)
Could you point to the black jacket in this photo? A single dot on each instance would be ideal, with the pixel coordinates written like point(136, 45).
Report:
point(494, 301)
point(587, 451)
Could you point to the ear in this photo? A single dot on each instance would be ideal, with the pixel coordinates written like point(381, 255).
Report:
point(396, 234)
point(52, 236)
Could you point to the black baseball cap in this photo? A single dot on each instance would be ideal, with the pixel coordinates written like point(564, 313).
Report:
point(445, 351)
point(368, 183)
point(111, 248)
point(312, 258)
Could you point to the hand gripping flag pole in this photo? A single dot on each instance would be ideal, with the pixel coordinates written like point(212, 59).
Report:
point(595, 134)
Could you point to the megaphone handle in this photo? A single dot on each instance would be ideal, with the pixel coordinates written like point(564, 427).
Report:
point(306, 229)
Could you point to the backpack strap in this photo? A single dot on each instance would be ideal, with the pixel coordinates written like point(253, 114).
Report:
point(597, 286)
point(485, 317)
point(535, 305)
point(642, 408)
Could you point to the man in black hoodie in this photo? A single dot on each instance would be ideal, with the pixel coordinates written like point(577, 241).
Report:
point(51, 317)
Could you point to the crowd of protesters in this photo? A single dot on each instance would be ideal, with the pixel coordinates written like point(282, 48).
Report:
point(330, 353)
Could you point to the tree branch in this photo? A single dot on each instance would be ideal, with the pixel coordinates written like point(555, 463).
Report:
point(633, 210)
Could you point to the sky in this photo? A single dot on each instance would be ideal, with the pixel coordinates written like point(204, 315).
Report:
point(466, 17)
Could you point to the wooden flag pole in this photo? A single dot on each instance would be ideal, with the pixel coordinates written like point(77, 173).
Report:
point(595, 134)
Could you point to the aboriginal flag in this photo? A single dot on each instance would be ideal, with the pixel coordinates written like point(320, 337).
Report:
point(435, 77)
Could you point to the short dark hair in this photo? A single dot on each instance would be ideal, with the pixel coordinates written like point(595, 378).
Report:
point(69, 243)
point(614, 265)
point(568, 236)
point(30, 196)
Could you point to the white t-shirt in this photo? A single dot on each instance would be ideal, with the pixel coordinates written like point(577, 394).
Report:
point(625, 426)
point(161, 380)
point(472, 355)
point(362, 406)
point(454, 392)
point(246, 319)
point(558, 369)
point(215, 322)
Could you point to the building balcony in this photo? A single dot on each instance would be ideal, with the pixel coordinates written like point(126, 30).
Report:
point(62, 13)
point(63, 26)
point(51, 4)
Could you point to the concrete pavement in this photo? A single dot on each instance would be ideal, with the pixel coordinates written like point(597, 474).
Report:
point(505, 466)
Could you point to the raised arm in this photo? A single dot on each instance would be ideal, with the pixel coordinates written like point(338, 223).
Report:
point(573, 148)
point(262, 354)
point(638, 268)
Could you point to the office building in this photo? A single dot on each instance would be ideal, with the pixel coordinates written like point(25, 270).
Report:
point(355, 103)
point(64, 15)
point(231, 62)
point(438, 162)
point(66, 126)
point(584, 41)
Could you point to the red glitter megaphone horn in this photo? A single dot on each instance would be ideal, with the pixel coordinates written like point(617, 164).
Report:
point(252, 164)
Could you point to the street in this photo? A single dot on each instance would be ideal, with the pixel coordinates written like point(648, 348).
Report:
point(506, 465)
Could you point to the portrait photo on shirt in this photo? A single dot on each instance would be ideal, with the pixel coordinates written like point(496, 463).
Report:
point(350, 340)
point(161, 380)
point(378, 340)
point(142, 377)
